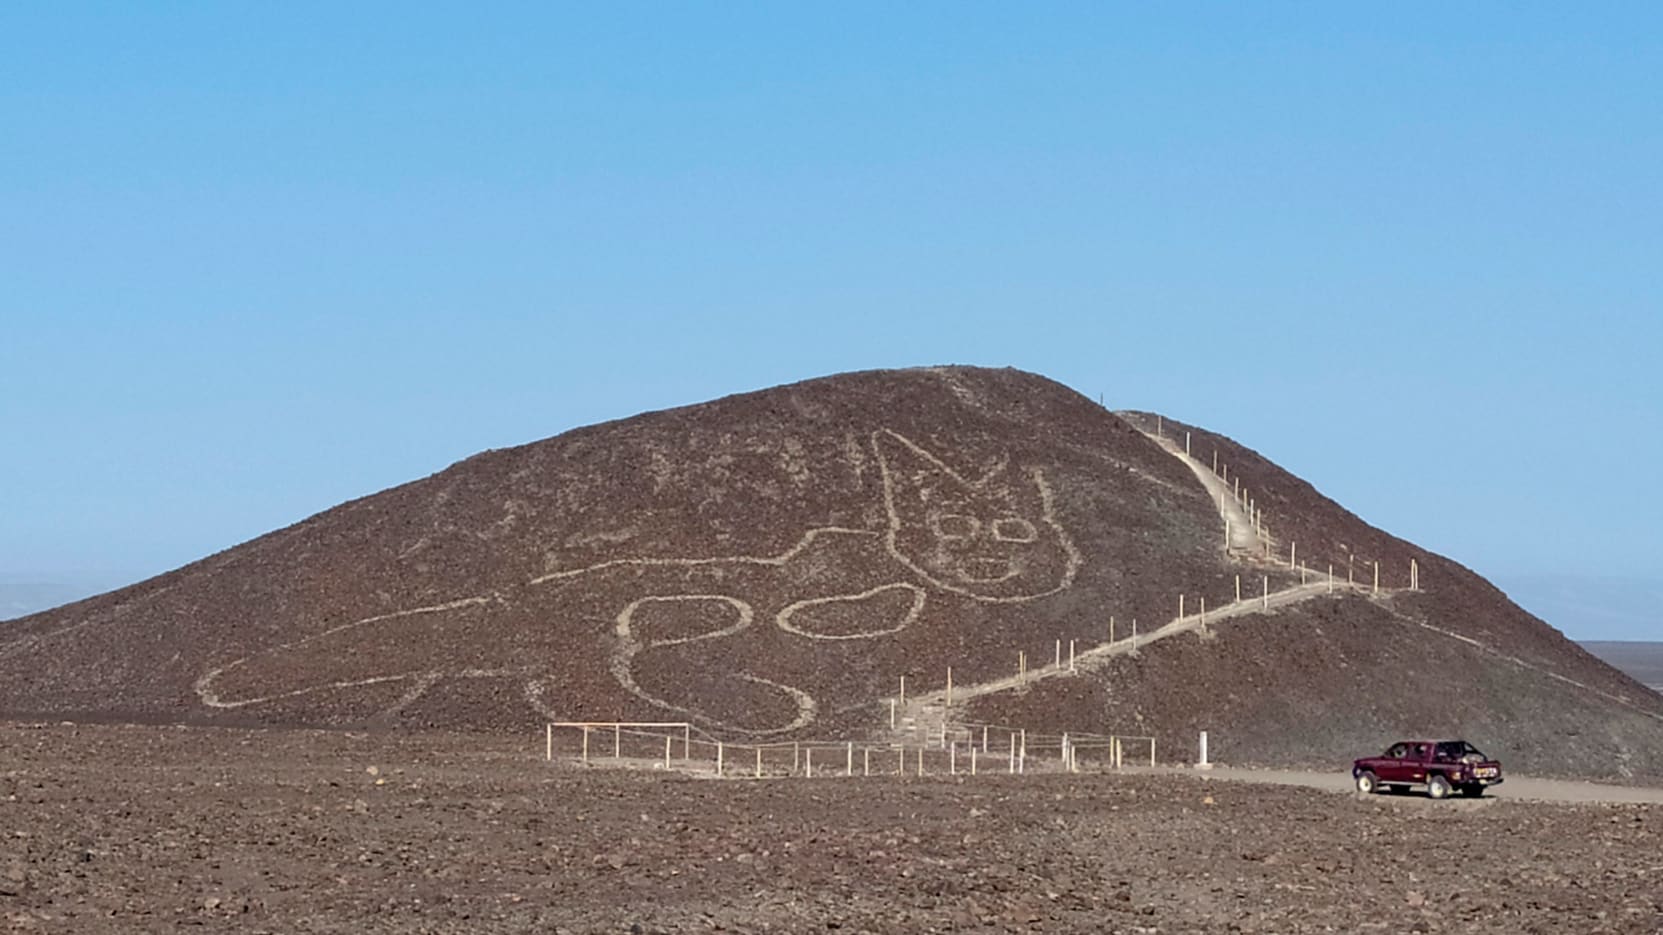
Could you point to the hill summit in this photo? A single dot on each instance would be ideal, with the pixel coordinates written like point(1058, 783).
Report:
point(773, 564)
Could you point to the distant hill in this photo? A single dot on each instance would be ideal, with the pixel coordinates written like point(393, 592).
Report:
point(1642, 661)
point(770, 565)
point(20, 597)
point(1592, 607)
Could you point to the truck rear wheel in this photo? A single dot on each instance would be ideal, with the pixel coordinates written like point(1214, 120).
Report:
point(1438, 787)
point(1367, 782)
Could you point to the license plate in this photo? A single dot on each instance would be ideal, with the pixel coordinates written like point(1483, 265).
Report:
point(1485, 772)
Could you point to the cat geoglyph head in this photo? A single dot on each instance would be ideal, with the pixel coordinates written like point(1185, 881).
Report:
point(993, 539)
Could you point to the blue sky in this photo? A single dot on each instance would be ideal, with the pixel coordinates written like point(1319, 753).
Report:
point(260, 259)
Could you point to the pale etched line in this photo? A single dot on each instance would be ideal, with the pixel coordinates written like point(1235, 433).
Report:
point(1048, 516)
point(629, 647)
point(1488, 650)
point(780, 559)
point(209, 697)
point(783, 618)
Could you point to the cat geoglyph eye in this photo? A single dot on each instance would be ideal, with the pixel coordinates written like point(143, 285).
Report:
point(955, 525)
point(1014, 529)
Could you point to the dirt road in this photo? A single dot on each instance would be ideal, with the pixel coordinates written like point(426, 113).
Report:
point(1515, 788)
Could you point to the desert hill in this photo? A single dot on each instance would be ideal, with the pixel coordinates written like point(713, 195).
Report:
point(770, 565)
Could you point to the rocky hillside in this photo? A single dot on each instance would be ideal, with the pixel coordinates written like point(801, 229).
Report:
point(770, 565)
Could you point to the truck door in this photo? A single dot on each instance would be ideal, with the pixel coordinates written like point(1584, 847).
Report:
point(1419, 755)
point(1393, 766)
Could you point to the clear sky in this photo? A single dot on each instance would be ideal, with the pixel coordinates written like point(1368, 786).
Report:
point(257, 259)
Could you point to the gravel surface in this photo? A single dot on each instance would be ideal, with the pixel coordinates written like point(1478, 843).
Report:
point(137, 829)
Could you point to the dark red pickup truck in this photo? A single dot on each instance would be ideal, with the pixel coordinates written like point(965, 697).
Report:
point(1442, 766)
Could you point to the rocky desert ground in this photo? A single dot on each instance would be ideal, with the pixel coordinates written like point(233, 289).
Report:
point(109, 829)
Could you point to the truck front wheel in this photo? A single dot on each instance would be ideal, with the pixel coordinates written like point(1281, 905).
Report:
point(1367, 782)
point(1438, 787)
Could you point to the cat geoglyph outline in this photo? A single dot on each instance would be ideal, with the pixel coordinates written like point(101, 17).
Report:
point(919, 493)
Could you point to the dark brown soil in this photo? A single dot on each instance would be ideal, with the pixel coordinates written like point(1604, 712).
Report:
point(771, 565)
point(144, 829)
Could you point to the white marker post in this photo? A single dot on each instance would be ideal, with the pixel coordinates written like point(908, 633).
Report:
point(1238, 589)
point(1377, 577)
point(1204, 764)
point(1293, 554)
point(1265, 597)
point(759, 762)
point(551, 741)
point(949, 686)
point(718, 758)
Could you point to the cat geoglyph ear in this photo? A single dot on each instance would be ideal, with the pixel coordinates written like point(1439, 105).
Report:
point(920, 477)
